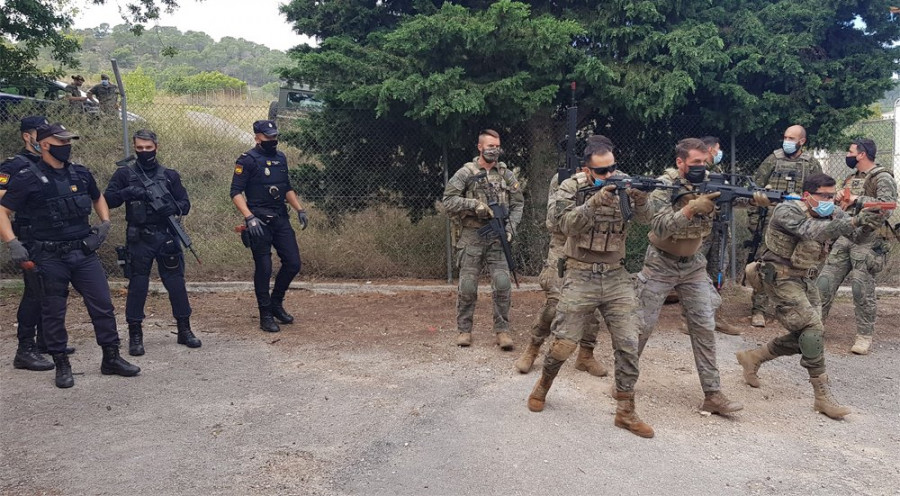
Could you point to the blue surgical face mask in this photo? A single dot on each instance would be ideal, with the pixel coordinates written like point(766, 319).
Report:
point(789, 147)
point(36, 146)
point(824, 208)
point(599, 182)
point(718, 158)
point(104, 82)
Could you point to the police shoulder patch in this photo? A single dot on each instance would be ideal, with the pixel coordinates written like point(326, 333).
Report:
point(238, 169)
point(4, 178)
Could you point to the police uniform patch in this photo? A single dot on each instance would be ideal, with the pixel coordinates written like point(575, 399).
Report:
point(4, 178)
point(238, 169)
point(74, 188)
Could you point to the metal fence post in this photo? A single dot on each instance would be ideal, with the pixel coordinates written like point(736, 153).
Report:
point(896, 161)
point(731, 227)
point(125, 143)
point(449, 236)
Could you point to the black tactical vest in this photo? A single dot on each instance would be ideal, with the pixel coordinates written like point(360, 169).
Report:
point(64, 208)
point(138, 213)
point(269, 183)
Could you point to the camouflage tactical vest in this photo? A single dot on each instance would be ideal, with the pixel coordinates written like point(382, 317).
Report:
point(500, 178)
point(789, 174)
point(700, 225)
point(802, 253)
point(868, 186)
point(608, 232)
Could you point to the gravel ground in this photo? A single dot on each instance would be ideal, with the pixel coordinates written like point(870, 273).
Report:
point(366, 394)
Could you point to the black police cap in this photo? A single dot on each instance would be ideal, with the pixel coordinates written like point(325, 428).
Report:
point(269, 128)
point(57, 131)
point(32, 122)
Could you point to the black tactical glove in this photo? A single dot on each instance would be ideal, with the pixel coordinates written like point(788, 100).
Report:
point(304, 220)
point(103, 230)
point(133, 193)
point(254, 226)
point(168, 209)
point(17, 251)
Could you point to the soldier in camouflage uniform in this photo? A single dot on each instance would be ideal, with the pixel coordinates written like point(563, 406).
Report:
point(674, 260)
point(596, 281)
point(784, 170)
point(551, 283)
point(864, 258)
point(107, 94)
point(797, 241)
point(466, 201)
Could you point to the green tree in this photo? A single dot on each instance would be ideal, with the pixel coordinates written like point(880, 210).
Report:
point(140, 86)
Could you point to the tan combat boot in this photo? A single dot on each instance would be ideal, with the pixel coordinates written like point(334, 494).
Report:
point(627, 419)
point(716, 402)
point(524, 363)
point(464, 339)
point(861, 346)
point(538, 395)
point(504, 341)
point(726, 328)
point(750, 360)
point(758, 319)
point(587, 363)
point(825, 402)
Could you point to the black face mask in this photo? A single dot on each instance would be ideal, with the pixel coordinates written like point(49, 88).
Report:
point(851, 161)
point(147, 159)
point(269, 147)
point(61, 152)
point(695, 174)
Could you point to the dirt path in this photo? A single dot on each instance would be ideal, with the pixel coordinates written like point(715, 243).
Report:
point(367, 395)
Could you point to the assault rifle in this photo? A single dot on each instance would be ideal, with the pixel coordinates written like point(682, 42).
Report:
point(496, 227)
point(622, 184)
point(731, 188)
point(570, 165)
point(158, 202)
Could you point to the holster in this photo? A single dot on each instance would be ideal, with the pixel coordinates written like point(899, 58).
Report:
point(91, 243)
point(123, 258)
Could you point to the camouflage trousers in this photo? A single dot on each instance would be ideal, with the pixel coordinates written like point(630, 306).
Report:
point(759, 302)
point(799, 310)
point(471, 260)
point(700, 300)
point(861, 262)
point(609, 291)
point(551, 283)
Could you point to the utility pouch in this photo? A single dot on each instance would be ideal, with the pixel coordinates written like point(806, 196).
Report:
point(561, 267)
point(90, 244)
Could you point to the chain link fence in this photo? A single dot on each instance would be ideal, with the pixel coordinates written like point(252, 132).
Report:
point(371, 188)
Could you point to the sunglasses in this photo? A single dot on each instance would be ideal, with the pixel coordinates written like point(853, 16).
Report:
point(601, 171)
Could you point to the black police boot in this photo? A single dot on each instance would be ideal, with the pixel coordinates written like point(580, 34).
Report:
point(26, 358)
point(185, 335)
point(267, 321)
point(279, 312)
point(114, 364)
point(64, 377)
point(135, 339)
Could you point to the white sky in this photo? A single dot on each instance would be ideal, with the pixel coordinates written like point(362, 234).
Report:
point(255, 20)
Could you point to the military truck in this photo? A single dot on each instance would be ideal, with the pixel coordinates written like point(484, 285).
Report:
point(294, 101)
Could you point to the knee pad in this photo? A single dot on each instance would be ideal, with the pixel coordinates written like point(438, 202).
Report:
point(468, 286)
point(562, 349)
point(823, 284)
point(812, 343)
point(500, 281)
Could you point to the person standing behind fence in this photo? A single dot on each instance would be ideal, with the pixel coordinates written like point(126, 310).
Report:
point(551, 283)
point(466, 201)
point(73, 93)
point(674, 260)
point(860, 259)
point(59, 194)
point(28, 317)
point(784, 170)
point(107, 94)
point(148, 237)
point(798, 237)
point(260, 187)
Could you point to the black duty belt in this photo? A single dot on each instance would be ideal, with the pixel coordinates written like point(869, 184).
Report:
point(675, 258)
point(59, 247)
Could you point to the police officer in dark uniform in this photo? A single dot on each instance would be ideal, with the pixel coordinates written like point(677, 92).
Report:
point(29, 313)
point(149, 237)
point(261, 175)
point(58, 196)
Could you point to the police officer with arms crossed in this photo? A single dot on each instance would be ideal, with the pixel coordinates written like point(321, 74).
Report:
point(28, 317)
point(59, 194)
point(149, 237)
point(259, 188)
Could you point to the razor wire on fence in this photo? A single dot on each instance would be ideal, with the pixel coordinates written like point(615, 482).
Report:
point(371, 188)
